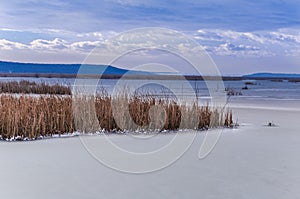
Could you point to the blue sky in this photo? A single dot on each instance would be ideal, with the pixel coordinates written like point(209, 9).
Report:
point(241, 36)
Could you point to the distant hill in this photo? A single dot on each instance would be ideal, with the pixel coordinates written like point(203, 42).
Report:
point(15, 69)
point(272, 75)
point(70, 69)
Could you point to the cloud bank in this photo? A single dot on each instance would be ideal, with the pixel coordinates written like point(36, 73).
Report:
point(283, 42)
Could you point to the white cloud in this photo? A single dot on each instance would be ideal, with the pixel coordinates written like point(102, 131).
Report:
point(42, 44)
point(85, 46)
point(97, 35)
point(228, 42)
point(229, 35)
point(9, 45)
point(218, 42)
point(241, 50)
point(55, 45)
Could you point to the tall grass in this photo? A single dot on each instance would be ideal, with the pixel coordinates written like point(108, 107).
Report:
point(32, 117)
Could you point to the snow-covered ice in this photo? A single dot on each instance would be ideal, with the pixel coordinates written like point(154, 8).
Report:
point(253, 161)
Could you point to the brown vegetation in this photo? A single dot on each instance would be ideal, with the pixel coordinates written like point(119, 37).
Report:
point(32, 117)
point(27, 87)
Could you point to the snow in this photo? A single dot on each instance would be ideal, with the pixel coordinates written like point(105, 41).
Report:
point(253, 161)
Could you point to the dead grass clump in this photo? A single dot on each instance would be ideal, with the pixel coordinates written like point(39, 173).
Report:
point(145, 114)
point(27, 87)
point(32, 117)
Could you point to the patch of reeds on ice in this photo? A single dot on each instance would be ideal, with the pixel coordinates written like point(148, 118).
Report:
point(27, 117)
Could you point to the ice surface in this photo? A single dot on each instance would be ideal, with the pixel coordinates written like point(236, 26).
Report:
point(253, 161)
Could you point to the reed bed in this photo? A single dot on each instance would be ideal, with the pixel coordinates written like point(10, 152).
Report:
point(28, 87)
point(32, 117)
point(26, 117)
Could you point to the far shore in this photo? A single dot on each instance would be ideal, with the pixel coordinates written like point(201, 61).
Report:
point(145, 77)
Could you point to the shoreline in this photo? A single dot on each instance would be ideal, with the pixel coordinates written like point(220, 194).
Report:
point(146, 77)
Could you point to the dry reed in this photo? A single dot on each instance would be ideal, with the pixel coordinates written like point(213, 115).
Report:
point(30, 117)
point(27, 87)
point(26, 117)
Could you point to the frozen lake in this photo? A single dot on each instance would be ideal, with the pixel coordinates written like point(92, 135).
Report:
point(253, 161)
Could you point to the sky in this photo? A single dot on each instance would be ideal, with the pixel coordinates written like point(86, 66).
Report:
point(241, 36)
